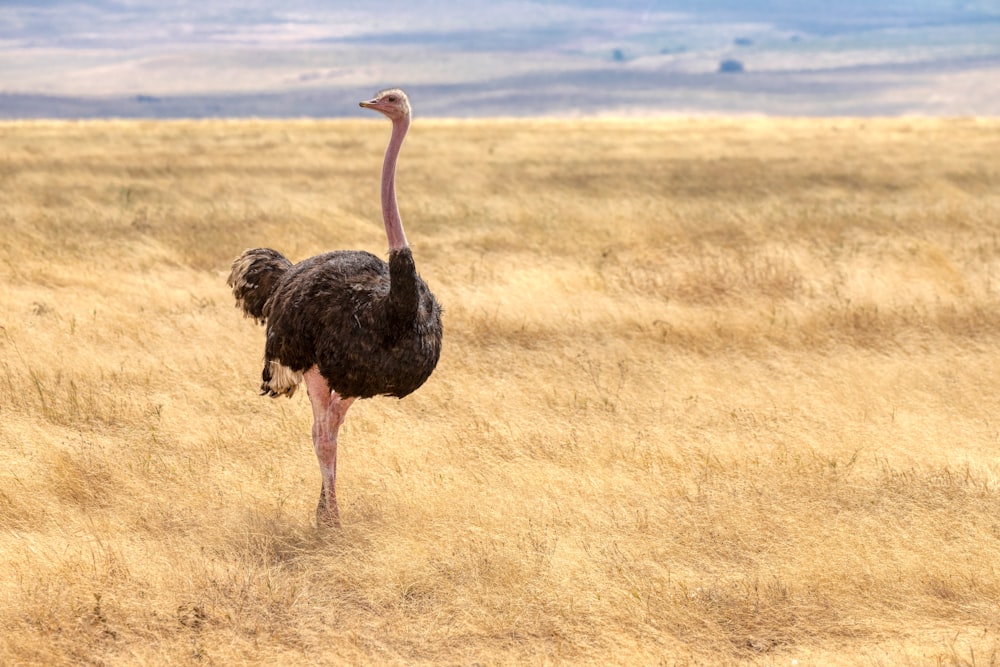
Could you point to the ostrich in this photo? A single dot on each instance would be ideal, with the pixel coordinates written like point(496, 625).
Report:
point(347, 323)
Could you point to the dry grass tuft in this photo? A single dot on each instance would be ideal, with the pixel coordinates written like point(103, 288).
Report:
point(713, 391)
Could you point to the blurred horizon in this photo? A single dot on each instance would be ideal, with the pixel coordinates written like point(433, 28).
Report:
point(575, 58)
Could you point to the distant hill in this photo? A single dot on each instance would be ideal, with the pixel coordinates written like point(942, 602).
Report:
point(502, 58)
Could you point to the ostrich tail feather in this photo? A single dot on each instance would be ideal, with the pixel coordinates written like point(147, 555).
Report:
point(254, 276)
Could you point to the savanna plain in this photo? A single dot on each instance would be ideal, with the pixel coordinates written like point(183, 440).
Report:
point(713, 391)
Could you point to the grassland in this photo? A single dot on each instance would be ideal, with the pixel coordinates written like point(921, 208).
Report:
point(713, 392)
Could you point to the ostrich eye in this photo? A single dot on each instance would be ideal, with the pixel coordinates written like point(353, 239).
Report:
point(391, 98)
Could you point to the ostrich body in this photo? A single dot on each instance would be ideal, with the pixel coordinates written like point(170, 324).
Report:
point(347, 323)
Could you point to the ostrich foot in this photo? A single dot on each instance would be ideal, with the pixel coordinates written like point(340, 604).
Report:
point(327, 512)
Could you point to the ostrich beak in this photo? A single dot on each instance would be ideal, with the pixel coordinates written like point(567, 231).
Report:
point(370, 104)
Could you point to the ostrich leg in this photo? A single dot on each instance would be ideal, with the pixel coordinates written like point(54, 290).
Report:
point(329, 411)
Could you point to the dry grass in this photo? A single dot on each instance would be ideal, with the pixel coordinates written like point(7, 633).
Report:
point(712, 392)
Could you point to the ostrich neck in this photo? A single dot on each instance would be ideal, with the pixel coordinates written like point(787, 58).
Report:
point(390, 209)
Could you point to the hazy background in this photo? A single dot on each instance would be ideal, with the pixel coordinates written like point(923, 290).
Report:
point(139, 58)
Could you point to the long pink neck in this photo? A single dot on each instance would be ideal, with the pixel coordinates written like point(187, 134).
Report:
point(390, 209)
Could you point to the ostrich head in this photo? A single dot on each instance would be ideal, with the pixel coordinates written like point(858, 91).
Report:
point(391, 102)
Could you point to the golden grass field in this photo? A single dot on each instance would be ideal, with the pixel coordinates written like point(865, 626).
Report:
point(713, 391)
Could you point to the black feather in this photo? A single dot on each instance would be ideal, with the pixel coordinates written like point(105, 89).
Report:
point(370, 327)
